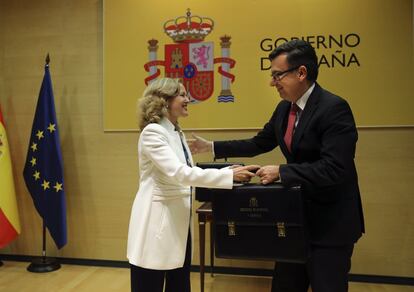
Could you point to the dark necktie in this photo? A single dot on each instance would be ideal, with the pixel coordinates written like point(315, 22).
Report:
point(187, 157)
point(291, 126)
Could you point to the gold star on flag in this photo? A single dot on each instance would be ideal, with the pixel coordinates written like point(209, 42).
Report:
point(39, 134)
point(34, 146)
point(51, 127)
point(33, 161)
point(58, 187)
point(36, 175)
point(45, 185)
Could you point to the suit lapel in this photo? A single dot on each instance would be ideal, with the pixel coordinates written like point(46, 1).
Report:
point(306, 116)
point(281, 124)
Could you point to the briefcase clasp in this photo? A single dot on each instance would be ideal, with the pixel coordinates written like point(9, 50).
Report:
point(232, 228)
point(281, 231)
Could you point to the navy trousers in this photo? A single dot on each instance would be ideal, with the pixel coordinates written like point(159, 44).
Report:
point(176, 280)
point(326, 271)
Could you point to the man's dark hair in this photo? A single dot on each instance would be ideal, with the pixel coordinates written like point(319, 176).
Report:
point(299, 53)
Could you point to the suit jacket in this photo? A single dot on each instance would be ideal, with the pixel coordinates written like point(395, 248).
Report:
point(161, 212)
point(322, 162)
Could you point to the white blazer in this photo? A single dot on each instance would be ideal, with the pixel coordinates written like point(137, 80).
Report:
point(160, 217)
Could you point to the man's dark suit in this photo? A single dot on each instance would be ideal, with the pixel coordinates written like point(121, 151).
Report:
point(322, 162)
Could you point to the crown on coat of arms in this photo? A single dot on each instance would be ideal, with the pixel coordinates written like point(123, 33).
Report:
point(189, 28)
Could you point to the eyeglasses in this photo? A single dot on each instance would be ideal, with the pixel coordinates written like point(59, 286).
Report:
point(277, 76)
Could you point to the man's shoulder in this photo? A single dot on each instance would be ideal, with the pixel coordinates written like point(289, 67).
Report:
point(331, 105)
point(330, 99)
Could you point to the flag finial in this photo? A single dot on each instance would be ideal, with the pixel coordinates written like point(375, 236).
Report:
point(47, 59)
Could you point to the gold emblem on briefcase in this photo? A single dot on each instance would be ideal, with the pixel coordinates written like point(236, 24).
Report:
point(232, 228)
point(281, 231)
point(253, 203)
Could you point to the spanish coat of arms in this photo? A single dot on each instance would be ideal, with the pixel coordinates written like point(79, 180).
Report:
point(191, 59)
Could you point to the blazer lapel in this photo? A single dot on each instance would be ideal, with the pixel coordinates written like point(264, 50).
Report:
point(175, 141)
point(306, 116)
point(281, 124)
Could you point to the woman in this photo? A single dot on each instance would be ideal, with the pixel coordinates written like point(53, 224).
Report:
point(159, 238)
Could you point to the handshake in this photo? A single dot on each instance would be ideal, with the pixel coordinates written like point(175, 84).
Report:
point(267, 174)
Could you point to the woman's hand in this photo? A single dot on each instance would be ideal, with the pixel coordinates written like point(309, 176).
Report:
point(244, 173)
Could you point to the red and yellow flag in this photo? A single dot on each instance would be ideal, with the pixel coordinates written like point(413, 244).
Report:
point(9, 216)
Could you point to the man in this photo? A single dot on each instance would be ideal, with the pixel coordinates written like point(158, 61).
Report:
point(316, 132)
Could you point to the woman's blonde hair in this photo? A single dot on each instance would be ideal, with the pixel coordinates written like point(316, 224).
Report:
point(153, 105)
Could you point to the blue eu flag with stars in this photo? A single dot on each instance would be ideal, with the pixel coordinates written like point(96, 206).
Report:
point(43, 170)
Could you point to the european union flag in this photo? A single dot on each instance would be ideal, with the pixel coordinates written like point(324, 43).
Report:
point(43, 172)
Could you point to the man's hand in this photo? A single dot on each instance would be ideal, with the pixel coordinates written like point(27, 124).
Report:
point(244, 173)
point(268, 174)
point(199, 145)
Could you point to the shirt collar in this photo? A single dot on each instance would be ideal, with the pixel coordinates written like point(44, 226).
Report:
point(301, 102)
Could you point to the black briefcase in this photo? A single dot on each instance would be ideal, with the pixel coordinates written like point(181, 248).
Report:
point(204, 194)
point(260, 222)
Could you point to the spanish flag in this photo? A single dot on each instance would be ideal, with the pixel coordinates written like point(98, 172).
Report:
point(9, 217)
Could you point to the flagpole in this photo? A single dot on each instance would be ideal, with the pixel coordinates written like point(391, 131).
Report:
point(44, 241)
point(44, 264)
